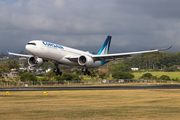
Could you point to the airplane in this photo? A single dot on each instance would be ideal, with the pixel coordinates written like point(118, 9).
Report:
point(41, 51)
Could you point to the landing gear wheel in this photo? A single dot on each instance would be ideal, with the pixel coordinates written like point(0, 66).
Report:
point(85, 71)
point(60, 73)
point(56, 70)
point(88, 73)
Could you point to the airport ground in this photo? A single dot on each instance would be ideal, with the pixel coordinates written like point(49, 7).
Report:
point(91, 104)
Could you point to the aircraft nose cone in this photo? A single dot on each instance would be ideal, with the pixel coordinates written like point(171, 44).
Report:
point(27, 48)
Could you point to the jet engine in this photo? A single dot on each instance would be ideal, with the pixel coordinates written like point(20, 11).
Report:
point(85, 61)
point(32, 61)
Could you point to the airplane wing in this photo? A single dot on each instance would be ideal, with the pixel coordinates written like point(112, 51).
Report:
point(109, 57)
point(122, 55)
point(16, 54)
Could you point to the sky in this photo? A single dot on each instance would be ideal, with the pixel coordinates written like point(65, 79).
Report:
point(134, 25)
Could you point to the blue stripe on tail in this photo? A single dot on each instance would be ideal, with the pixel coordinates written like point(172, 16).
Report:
point(105, 47)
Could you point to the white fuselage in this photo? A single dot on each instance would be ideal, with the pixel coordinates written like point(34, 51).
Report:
point(57, 53)
point(40, 50)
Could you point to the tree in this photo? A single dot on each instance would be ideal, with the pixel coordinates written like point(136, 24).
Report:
point(120, 67)
point(47, 65)
point(78, 72)
point(172, 69)
point(13, 64)
point(28, 77)
point(93, 73)
point(102, 75)
point(67, 76)
point(5, 67)
point(26, 63)
point(122, 75)
point(50, 74)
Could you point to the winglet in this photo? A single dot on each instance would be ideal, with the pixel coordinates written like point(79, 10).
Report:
point(165, 49)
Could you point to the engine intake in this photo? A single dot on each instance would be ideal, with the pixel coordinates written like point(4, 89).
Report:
point(85, 61)
point(35, 62)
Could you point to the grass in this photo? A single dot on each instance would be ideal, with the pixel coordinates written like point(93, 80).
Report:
point(90, 105)
point(172, 75)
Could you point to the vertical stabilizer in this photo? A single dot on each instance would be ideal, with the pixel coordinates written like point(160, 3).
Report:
point(105, 47)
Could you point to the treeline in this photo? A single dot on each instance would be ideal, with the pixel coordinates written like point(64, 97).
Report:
point(156, 60)
point(8, 65)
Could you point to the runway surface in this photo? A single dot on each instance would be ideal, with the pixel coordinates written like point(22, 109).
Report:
point(92, 88)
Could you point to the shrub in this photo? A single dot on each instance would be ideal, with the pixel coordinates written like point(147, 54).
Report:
point(177, 79)
point(146, 75)
point(69, 76)
point(58, 78)
point(164, 77)
point(172, 69)
point(43, 79)
point(28, 77)
point(102, 75)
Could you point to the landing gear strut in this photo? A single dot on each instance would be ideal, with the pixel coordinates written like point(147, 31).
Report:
point(56, 70)
point(85, 71)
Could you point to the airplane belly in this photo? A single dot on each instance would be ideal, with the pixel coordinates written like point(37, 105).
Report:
point(52, 54)
point(96, 64)
point(67, 62)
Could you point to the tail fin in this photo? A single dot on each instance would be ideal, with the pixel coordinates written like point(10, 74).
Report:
point(105, 47)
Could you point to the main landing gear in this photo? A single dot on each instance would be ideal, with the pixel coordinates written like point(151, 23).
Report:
point(85, 71)
point(57, 70)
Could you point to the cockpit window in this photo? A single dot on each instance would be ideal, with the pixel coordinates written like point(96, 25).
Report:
point(31, 43)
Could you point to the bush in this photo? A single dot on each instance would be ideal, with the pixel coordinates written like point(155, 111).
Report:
point(177, 79)
point(44, 79)
point(164, 77)
point(58, 78)
point(28, 77)
point(122, 75)
point(102, 75)
point(146, 75)
point(172, 69)
point(67, 76)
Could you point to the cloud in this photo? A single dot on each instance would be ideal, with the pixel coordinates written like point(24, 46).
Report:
point(134, 25)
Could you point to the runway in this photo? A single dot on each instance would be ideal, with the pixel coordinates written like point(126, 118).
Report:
point(92, 88)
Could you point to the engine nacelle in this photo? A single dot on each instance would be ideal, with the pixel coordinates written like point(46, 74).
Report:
point(85, 61)
point(35, 62)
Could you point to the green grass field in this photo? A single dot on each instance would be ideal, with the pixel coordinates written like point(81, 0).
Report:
point(90, 105)
point(172, 75)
